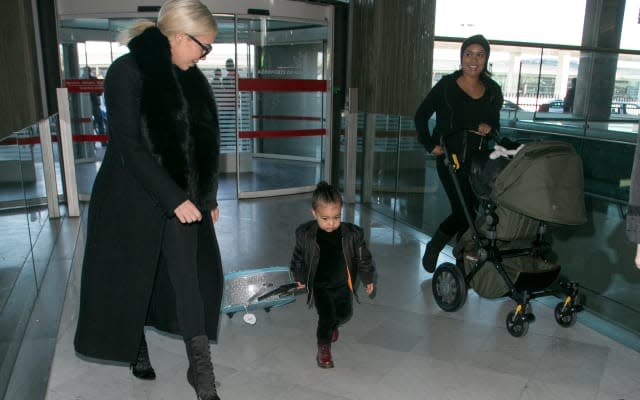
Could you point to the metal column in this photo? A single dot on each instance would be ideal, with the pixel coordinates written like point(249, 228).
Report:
point(368, 150)
point(350, 153)
point(50, 185)
point(68, 160)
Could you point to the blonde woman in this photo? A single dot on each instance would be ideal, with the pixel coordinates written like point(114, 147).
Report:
point(152, 256)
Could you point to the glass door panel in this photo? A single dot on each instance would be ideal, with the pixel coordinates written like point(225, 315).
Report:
point(281, 103)
point(269, 77)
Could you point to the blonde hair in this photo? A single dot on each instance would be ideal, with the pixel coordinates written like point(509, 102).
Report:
point(175, 16)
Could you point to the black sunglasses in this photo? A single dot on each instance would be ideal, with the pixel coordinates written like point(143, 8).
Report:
point(206, 48)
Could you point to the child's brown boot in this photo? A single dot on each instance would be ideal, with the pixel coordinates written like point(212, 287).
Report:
point(324, 356)
point(334, 335)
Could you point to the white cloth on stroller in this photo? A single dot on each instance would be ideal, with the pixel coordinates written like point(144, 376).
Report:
point(499, 151)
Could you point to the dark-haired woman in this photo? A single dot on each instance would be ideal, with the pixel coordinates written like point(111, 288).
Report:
point(467, 105)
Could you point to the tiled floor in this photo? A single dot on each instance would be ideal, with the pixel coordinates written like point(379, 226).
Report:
point(398, 345)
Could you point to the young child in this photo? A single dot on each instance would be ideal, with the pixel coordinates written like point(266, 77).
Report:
point(326, 260)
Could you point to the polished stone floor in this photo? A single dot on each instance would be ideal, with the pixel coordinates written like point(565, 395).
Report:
point(398, 345)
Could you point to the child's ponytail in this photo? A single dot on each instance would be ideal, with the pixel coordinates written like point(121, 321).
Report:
point(325, 193)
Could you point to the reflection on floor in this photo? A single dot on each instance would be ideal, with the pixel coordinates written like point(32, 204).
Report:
point(398, 345)
point(266, 174)
point(274, 173)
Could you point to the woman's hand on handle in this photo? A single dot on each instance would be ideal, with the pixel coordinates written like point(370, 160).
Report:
point(484, 129)
point(437, 150)
point(188, 213)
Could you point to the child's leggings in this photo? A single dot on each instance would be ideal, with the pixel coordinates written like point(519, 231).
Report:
point(334, 306)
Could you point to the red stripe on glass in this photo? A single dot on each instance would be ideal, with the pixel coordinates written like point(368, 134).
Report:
point(276, 134)
point(282, 85)
point(286, 117)
point(54, 138)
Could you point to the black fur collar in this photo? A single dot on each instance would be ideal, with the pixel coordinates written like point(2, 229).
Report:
point(179, 117)
point(152, 52)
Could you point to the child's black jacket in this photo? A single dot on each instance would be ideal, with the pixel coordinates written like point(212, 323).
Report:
point(304, 262)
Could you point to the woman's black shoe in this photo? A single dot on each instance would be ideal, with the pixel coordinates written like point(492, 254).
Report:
point(433, 249)
point(146, 373)
point(142, 368)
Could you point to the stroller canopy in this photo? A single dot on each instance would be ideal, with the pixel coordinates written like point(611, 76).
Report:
point(543, 181)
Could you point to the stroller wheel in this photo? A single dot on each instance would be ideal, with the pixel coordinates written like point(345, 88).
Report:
point(517, 325)
point(565, 317)
point(449, 288)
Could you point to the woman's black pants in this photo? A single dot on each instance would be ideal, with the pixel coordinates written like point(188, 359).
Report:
point(179, 250)
point(456, 223)
point(334, 307)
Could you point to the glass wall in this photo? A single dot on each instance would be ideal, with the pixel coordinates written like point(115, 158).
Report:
point(89, 46)
point(541, 83)
point(283, 93)
point(542, 21)
point(269, 78)
point(26, 237)
point(560, 91)
point(602, 127)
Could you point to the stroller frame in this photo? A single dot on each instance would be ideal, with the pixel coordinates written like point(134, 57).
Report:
point(450, 282)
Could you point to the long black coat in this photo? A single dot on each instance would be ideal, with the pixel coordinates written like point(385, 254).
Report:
point(163, 149)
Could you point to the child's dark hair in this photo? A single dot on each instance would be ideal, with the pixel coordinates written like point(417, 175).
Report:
point(325, 193)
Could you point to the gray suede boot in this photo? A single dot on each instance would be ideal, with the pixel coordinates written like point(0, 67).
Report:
point(433, 249)
point(200, 373)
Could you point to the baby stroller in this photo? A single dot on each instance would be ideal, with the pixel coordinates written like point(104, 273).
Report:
point(504, 252)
